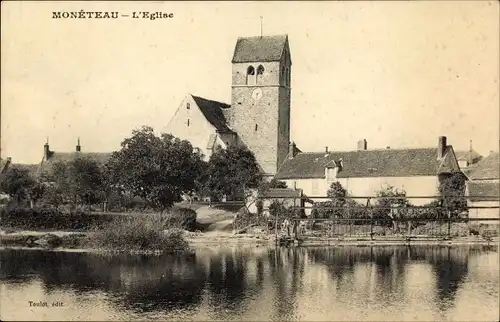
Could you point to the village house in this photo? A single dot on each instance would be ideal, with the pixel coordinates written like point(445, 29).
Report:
point(288, 197)
point(6, 165)
point(44, 169)
point(467, 160)
point(363, 172)
point(483, 188)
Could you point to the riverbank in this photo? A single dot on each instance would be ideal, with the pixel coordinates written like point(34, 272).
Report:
point(79, 240)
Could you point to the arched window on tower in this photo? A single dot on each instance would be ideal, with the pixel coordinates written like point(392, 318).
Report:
point(250, 75)
point(260, 74)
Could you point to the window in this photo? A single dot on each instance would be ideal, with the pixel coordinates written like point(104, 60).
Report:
point(188, 106)
point(260, 73)
point(256, 127)
point(188, 122)
point(250, 75)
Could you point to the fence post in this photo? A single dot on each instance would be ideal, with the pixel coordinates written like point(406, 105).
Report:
point(276, 229)
point(444, 205)
point(449, 221)
point(368, 204)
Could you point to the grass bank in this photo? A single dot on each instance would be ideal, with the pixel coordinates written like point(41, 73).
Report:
point(140, 233)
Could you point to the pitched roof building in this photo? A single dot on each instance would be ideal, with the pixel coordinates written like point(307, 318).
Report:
point(467, 160)
point(52, 157)
point(484, 180)
point(487, 169)
point(483, 188)
point(363, 172)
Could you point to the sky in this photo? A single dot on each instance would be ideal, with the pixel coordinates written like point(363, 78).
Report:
point(396, 73)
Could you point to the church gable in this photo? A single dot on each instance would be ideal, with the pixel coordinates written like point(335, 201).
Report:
point(200, 121)
point(197, 114)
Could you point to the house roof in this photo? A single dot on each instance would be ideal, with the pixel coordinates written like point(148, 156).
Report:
point(281, 193)
point(32, 168)
point(468, 170)
point(259, 49)
point(55, 157)
point(370, 163)
point(4, 164)
point(484, 191)
point(213, 112)
point(468, 155)
point(487, 169)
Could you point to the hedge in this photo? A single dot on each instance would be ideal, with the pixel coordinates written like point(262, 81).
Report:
point(48, 218)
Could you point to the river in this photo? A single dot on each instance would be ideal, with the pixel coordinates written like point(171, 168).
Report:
point(259, 284)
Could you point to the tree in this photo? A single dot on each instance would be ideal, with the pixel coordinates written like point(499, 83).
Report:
point(36, 192)
point(277, 184)
point(53, 196)
point(391, 204)
point(158, 169)
point(453, 191)
point(233, 172)
point(81, 180)
point(337, 194)
point(17, 183)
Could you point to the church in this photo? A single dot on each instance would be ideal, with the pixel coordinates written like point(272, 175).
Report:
point(259, 114)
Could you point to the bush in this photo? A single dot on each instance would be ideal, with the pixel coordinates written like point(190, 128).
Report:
point(441, 229)
point(140, 233)
point(244, 218)
point(182, 218)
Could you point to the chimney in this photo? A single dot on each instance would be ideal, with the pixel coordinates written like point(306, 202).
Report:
point(362, 145)
point(78, 147)
point(291, 150)
point(441, 147)
point(46, 150)
point(326, 149)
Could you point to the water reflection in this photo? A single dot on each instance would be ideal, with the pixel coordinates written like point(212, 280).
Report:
point(343, 283)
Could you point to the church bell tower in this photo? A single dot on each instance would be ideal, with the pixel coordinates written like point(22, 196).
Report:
point(260, 99)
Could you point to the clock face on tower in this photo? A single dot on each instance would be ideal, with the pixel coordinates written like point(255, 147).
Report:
point(257, 94)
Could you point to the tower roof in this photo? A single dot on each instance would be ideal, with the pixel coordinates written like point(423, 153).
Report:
point(259, 49)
